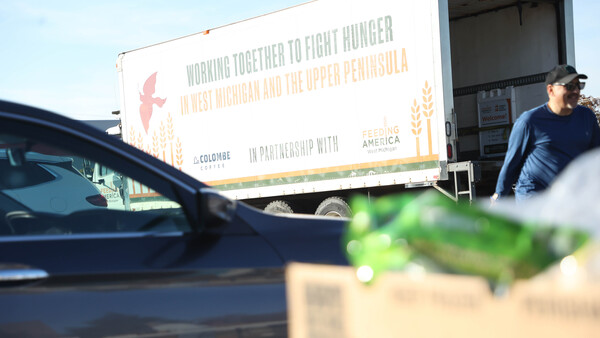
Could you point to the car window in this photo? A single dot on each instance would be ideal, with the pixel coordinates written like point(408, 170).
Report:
point(47, 190)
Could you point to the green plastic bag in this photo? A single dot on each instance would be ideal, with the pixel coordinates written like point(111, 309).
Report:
point(393, 231)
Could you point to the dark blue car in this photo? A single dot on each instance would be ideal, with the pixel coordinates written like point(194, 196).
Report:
point(169, 257)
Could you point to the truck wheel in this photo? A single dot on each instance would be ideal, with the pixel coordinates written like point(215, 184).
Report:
point(278, 207)
point(335, 207)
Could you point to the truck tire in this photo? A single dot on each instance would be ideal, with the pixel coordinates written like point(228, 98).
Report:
point(334, 207)
point(278, 207)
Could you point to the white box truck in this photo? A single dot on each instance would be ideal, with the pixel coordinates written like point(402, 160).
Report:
point(298, 109)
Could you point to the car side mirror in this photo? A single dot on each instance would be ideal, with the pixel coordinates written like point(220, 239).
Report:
point(216, 209)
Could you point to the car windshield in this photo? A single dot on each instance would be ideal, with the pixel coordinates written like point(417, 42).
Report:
point(46, 190)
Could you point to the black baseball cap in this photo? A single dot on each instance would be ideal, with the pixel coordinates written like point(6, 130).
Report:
point(563, 74)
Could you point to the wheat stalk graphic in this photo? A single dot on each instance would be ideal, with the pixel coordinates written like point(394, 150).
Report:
point(163, 140)
point(140, 141)
point(163, 137)
point(428, 112)
point(416, 124)
point(155, 148)
point(179, 154)
point(171, 134)
point(170, 127)
point(132, 136)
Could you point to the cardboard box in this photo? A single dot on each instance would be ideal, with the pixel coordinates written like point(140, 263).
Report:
point(329, 301)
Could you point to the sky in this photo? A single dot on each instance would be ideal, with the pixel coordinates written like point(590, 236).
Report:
point(61, 55)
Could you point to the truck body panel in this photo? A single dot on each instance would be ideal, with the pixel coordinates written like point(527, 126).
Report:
point(336, 96)
point(354, 97)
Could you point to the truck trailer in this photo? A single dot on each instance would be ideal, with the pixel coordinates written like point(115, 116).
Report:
point(297, 110)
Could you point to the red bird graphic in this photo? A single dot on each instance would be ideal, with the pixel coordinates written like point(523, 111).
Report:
point(148, 101)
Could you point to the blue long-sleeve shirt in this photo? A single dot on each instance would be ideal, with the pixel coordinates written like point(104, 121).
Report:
point(540, 146)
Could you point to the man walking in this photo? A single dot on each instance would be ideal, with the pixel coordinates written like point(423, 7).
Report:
point(546, 138)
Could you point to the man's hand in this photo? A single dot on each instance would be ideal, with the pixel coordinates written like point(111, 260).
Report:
point(493, 199)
